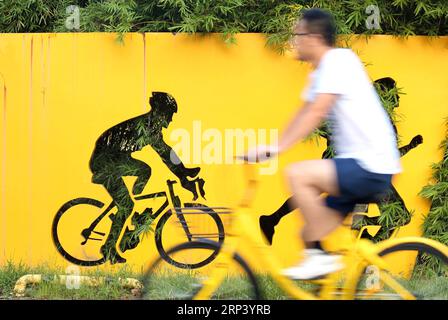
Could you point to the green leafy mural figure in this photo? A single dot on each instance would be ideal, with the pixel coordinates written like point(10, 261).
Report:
point(394, 212)
point(112, 160)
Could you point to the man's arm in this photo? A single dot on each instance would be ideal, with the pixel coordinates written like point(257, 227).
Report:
point(172, 161)
point(307, 120)
point(169, 157)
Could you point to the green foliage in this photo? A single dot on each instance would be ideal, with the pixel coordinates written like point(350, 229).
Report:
point(227, 17)
point(31, 15)
point(390, 100)
point(435, 225)
point(393, 216)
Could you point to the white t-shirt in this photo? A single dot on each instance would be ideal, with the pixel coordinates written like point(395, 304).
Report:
point(361, 128)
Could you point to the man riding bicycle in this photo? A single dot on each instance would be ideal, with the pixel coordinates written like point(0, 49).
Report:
point(339, 91)
point(111, 160)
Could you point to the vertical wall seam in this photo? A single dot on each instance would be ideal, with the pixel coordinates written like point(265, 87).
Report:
point(30, 159)
point(3, 205)
point(144, 74)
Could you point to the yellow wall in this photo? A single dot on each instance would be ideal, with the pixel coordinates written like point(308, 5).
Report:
point(59, 92)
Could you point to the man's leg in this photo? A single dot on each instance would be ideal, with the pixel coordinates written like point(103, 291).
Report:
point(268, 222)
point(120, 194)
point(308, 180)
point(142, 171)
point(134, 167)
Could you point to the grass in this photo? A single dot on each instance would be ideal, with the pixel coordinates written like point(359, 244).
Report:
point(435, 287)
point(429, 285)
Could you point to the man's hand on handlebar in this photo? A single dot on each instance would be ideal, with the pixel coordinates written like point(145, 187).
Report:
point(260, 153)
point(192, 172)
point(190, 185)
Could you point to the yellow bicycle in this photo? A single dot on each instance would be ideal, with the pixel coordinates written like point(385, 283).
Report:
point(217, 281)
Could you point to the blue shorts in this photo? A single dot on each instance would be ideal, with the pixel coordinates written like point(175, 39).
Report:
point(356, 186)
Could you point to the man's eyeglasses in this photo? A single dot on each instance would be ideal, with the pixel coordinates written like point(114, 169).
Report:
point(295, 36)
point(300, 34)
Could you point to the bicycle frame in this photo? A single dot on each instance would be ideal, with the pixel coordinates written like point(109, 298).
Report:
point(175, 200)
point(244, 228)
point(370, 254)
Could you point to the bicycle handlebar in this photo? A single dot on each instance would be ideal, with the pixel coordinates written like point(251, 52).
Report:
point(249, 160)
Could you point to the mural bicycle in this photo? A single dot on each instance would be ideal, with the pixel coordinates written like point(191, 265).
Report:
point(110, 162)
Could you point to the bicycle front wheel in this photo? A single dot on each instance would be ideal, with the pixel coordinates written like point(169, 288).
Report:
point(163, 281)
point(196, 223)
point(418, 281)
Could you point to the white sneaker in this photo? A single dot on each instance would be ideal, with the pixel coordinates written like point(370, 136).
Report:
point(316, 264)
point(322, 256)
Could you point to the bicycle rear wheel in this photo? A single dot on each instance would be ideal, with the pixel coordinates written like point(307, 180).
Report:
point(422, 284)
point(163, 281)
point(71, 219)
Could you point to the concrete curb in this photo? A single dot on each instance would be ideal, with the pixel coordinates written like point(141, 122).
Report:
point(72, 281)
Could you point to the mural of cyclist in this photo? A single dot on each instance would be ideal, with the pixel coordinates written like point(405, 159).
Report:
point(268, 222)
point(112, 159)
